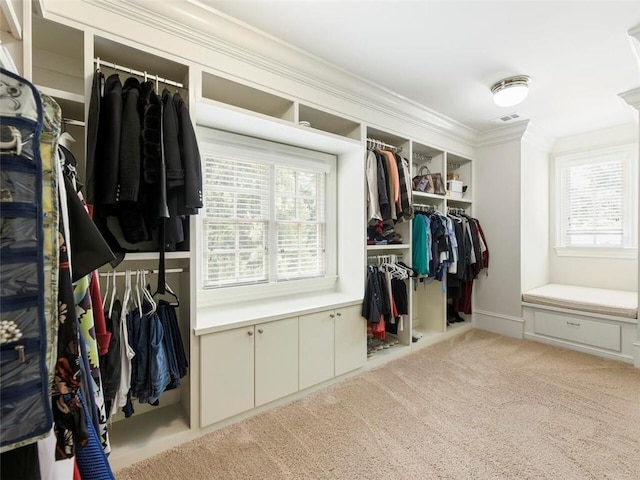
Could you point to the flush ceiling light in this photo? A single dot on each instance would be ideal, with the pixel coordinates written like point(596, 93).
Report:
point(510, 91)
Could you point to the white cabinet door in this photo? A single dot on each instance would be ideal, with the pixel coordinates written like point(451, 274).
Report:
point(316, 348)
point(226, 374)
point(276, 359)
point(350, 340)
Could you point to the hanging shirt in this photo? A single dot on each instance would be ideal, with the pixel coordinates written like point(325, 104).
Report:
point(373, 207)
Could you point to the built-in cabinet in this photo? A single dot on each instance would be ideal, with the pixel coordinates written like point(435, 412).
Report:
point(427, 317)
point(241, 363)
point(248, 367)
point(350, 340)
point(317, 348)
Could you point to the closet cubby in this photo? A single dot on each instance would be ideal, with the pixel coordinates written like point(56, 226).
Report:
point(460, 167)
point(171, 416)
point(58, 56)
point(432, 158)
point(401, 252)
point(132, 58)
point(126, 61)
point(328, 122)
point(243, 96)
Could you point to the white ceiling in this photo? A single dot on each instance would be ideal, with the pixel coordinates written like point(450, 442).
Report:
point(446, 54)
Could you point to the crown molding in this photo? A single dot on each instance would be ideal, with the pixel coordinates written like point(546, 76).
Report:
point(504, 134)
point(539, 138)
point(601, 138)
point(200, 24)
point(632, 97)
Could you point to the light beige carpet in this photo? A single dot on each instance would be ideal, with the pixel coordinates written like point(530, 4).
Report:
point(479, 406)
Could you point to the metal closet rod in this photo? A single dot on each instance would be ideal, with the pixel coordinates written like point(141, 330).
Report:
point(134, 270)
point(421, 157)
point(98, 61)
point(381, 144)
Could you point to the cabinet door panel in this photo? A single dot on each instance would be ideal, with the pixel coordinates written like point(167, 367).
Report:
point(351, 339)
point(316, 348)
point(226, 378)
point(276, 360)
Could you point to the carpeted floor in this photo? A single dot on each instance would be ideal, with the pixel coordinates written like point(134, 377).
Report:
point(479, 406)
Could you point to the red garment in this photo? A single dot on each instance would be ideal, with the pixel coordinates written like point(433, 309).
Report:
point(378, 330)
point(76, 472)
point(463, 304)
point(103, 337)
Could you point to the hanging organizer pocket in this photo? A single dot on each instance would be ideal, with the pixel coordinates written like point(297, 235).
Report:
point(25, 403)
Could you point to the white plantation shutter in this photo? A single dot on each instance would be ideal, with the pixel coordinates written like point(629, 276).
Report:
point(262, 222)
point(597, 200)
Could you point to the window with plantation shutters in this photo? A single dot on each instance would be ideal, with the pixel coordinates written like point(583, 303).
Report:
point(265, 214)
point(597, 199)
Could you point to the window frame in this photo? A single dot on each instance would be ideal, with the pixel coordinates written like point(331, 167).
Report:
point(216, 142)
point(628, 154)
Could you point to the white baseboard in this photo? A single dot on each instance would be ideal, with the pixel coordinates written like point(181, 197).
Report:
point(499, 323)
point(636, 354)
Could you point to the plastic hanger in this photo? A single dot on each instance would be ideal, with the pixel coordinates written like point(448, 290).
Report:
point(137, 292)
point(114, 294)
point(147, 295)
point(169, 290)
point(106, 289)
point(127, 291)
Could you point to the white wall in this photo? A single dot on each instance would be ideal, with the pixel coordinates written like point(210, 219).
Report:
point(615, 273)
point(535, 213)
point(497, 206)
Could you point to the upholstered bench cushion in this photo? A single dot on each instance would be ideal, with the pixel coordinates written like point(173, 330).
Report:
point(618, 303)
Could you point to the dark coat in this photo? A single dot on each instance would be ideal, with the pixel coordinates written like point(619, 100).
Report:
point(190, 155)
point(92, 134)
point(107, 161)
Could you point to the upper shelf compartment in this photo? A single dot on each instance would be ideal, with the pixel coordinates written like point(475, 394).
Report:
point(130, 59)
point(58, 57)
point(239, 95)
point(327, 122)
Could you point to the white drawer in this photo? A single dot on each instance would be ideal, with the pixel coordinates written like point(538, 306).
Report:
point(576, 329)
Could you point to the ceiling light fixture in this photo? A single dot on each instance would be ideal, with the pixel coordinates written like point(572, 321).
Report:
point(511, 91)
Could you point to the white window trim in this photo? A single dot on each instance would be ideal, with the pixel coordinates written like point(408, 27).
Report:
point(215, 142)
point(629, 154)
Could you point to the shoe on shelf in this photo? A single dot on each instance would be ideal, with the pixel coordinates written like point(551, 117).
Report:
point(416, 334)
point(392, 339)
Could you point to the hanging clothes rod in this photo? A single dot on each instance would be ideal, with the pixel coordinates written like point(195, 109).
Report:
point(391, 258)
point(456, 211)
point(99, 62)
point(148, 272)
point(421, 157)
point(421, 207)
point(71, 121)
point(385, 146)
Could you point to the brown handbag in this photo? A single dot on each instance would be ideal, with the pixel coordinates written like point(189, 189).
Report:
point(428, 182)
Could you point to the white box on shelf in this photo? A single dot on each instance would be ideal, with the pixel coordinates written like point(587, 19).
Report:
point(454, 186)
point(455, 195)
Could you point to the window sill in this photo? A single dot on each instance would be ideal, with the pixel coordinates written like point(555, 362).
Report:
point(596, 252)
point(211, 319)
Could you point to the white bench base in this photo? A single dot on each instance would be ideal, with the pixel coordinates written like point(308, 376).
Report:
point(603, 335)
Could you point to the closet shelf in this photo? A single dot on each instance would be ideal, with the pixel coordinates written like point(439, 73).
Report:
point(55, 93)
point(137, 256)
point(423, 195)
point(458, 201)
point(402, 246)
